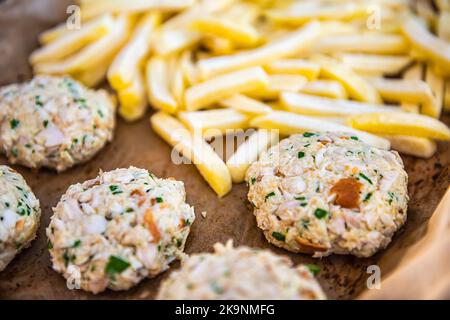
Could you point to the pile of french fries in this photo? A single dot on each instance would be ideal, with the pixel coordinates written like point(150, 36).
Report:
point(377, 68)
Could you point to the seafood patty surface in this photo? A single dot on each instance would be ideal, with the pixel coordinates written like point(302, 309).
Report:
point(54, 122)
point(240, 273)
point(20, 213)
point(323, 193)
point(119, 228)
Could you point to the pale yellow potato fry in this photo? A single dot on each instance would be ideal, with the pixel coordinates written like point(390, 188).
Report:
point(245, 104)
point(249, 151)
point(211, 122)
point(93, 54)
point(176, 35)
point(73, 40)
point(287, 46)
point(178, 85)
point(133, 99)
point(279, 83)
point(205, 93)
point(190, 72)
point(447, 96)
point(95, 76)
point(412, 146)
point(209, 164)
point(91, 9)
point(241, 34)
point(300, 13)
point(374, 63)
point(414, 91)
point(437, 85)
point(319, 106)
point(54, 33)
point(294, 66)
point(427, 45)
point(426, 12)
point(443, 5)
point(413, 73)
point(242, 12)
point(325, 88)
point(218, 46)
point(409, 124)
point(121, 74)
point(158, 88)
point(290, 123)
point(369, 42)
point(443, 27)
point(357, 87)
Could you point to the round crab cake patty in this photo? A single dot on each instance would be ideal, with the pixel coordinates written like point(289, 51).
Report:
point(323, 193)
point(115, 230)
point(239, 274)
point(20, 213)
point(54, 122)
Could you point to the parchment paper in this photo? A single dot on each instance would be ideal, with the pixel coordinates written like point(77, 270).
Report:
point(30, 275)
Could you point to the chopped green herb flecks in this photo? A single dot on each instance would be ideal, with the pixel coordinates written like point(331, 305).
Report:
point(116, 265)
point(391, 196)
point(159, 199)
point(45, 123)
point(37, 101)
point(76, 244)
point(15, 152)
point(362, 175)
point(279, 236)
point(300, 198)
point(315, 269)
point(115, 189)
point(216, 288)
point(308, 134)
point(271, 194)
point(49, 245)
point(14, 123)
point(320, 213)
point(252, 180)
point(354, 138)
point(300, 154)
point(368, 196)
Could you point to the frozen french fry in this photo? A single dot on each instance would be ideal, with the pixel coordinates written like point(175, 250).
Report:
point(249, 151)
point(287, 46)
point(413, 91)
point(279, 83)
point(91, 9)
point(375, 64)
point(95, 76)
point(357, 87)
point(73, 40)
point(369, 42)
point(210, 122)
point(325, 88)
point(247, 105)
point(241, 34)
point(133, 99)
point(437, 86)
point(190, 72)
point(409, 124)
point(412, 146)
point(93, 54)
point(158, 88)
point(178, 84)
point(299, 13)
point(130, 58)
point(428, 46)
point(319, 106)
point(176, 35)
point(301, 67)
point(54, 33)
point(447, 96)
point(290, 123)
point(443, 27)
point(209, 164)
point(413, 73)
point(205, 93)
point(218, 46)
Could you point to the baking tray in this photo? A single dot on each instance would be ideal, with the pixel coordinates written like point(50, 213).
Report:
point(30, 275)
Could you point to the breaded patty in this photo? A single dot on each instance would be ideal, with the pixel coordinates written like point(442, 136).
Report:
point(54, 122)
point(240, 273)
point(19, 215)
point(119, 228)
point(323, 193)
